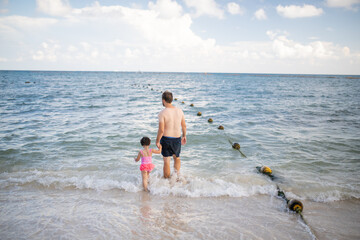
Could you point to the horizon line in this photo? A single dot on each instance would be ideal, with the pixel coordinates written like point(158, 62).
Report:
point(178, 72)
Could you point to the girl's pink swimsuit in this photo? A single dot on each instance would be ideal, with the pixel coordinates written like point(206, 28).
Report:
point(146, 163)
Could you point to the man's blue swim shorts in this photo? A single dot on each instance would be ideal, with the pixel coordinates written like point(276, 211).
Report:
point(170, 146)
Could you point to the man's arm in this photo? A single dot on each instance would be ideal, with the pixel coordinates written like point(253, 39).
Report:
point(183, 128)
point(160, 130)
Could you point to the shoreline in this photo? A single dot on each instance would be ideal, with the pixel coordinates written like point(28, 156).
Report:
point(136, 215)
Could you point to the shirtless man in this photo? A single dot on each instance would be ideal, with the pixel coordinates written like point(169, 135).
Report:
point(171, 119)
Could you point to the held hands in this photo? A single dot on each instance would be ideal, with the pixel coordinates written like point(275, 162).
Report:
point(158, 150)
point(183, 140)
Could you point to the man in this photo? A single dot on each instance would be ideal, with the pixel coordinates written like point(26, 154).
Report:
point(171, 119)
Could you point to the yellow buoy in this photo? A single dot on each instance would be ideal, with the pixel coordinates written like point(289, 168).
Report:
point(182, 102)
point(236, 146)
point(295, 205)
point(210, 120)
point(199, 114)
point(221, 127)
point(175, 99)
point(191, 105)
point(266, 170)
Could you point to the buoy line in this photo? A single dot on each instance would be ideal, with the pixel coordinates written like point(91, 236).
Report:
point(293, 205)
point(237, 147)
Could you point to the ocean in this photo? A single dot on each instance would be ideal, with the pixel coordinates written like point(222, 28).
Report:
point(68, 142)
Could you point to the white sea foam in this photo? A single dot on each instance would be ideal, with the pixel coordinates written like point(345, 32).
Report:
point(185, 186)
point(201, 187)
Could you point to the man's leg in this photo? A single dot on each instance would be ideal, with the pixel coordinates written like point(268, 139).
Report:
point(177, 164)
point(166, 167)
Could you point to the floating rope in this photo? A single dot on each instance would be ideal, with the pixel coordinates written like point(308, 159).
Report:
point(237, 147)
point(293, 205)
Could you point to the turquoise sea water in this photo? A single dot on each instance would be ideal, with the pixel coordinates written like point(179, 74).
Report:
point(68, 140)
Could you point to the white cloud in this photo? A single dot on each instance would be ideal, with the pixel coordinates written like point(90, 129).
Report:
point(38, 56)
point(86, 46)
point(96, 11)
point(148, 25)
point(273, 34)
point(285, 48)
point(16, 29)
point(49, 51)
point(260, 14)
point(29, 23)
point(54, 7)
point(234, 9)
point(294, 11)
point(313, 38)
point(342, 3)
point(72, 48)
point(151, 40)
point(346, 51)
point(132, 53)
point(3, 59)
point(166, 8)
point(154, 37)
point(205, 7)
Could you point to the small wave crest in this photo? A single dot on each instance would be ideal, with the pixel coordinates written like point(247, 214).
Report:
point(63, 180)
point(189, 186)
point(183, 186)
point(333, 196)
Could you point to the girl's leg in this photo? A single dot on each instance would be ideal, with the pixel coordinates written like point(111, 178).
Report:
point(148, 178)
point(145, 180)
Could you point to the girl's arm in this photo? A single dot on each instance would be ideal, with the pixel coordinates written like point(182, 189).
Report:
point(156, 151)
point(138, 157)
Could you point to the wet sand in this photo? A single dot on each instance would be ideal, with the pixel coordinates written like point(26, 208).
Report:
point(75, 214)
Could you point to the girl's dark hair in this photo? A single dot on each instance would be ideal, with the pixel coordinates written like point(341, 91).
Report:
point(145, 141)
point(167, 96)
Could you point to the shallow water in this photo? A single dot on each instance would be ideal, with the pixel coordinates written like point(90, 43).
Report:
point(68, 140)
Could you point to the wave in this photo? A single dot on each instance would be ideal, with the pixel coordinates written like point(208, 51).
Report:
point(189, 186)
point(185, 186)
point(333, 196)
point(63, 180)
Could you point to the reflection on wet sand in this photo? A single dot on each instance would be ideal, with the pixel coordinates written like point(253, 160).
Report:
point(167, 219)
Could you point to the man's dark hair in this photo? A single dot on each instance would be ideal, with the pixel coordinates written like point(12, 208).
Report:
point(167, 96)
point(145, 141)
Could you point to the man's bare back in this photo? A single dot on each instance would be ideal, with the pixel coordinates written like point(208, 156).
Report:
point(171, 117)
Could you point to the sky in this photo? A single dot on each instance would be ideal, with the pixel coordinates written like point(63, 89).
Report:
point(235, 36)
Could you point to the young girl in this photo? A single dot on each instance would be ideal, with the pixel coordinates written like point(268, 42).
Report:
point(146, 160)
